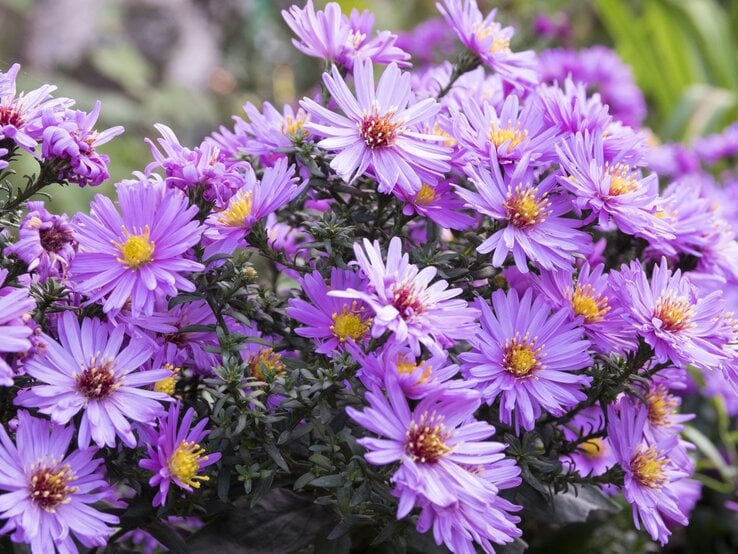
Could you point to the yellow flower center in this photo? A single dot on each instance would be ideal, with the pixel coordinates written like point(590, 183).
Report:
point(589, 304)
point(136, 250)
point(406, 367)
point(593, 448)
point(184, 464)
point(239, 208)
point(524, 209)
point(674, 313)
point(425, 195)
point(622, 180)
point(349, 323)
point(267, 364)
point(647, 466)
point(425, 440)
point(168, 384)
point(49, 487)
point(294, 127)
point(513, 136)
point(500, 44)
point(520, 357)
point(660, 405)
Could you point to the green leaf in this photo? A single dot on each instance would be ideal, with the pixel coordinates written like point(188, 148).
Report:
point(328, 481)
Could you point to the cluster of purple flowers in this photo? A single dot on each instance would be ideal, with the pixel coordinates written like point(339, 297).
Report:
point(512, 161)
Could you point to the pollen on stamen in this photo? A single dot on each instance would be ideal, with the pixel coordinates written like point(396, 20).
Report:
point(425, 440)
point(137, 249)
point(350, 322)
point(586, 302)
point(647, 466)
point(521, 357)
point(622, 180)
point(238, 210)
point(378, 131)
point(675, 314)
point(524, 209)
point(513, 136)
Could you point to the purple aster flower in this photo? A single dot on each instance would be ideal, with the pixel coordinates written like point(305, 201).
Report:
point(718, 146)
point(671, 316)
point(227, 229)
point(528, 357)
point(175, 454)
point(3, 163)
point(438, 203)
point(49, 493)
point(513, 132)
point(535, 229)
point(430, 41)
point(406, 303)
point(436, 445)
point(89, 370)
point(664, 421)
point(487, 39)
point(45, 242)
point(329, 321)
point(594, 455)
point(268, 134)
point(613, 191)
point(16, 306)
point(71, 144)
point(185, 169)
point(417, 377)
point(650, 473)
point(598, 68)
point(379, 131)
point(138, 253)
point(21, 115)
point(570, 109)
point(333, 37)
point(591, 300)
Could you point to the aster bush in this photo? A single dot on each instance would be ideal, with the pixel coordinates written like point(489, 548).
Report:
point(464, 307)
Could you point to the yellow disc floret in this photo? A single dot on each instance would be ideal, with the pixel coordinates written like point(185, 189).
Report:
point(520, 357)
point(239, 208)
point(184, 463)
point(588, 304)
point(135, 250)
point(647, 466)
point(350, 323)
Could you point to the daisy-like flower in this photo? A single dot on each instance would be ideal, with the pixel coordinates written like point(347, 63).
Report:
point(406, 303)
point(435, 444)
point(72, 144)
point(528, 358)
point(417, 377)
point(438, 203)
point(380, 130)
point(329, 321)
point(672, 318)
point(23, 117)
point(650, 473)
point(175, 454)
point(49, 494)
point(89, 370)
point(16, 306)
point(138, 253)
point(227, 229)
point(45, 242)
point(186, 169)
point(535, 229)
point(613, 191)
point(592, 301)
point(331, 36)
point(512, 131)
point(487, 39)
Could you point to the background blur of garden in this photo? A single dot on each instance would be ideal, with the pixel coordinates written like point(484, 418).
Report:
point(191, 64)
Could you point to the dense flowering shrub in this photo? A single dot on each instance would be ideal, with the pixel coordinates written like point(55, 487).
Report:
point(434, 307)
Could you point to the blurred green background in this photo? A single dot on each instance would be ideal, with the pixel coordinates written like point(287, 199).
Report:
point(191, 64)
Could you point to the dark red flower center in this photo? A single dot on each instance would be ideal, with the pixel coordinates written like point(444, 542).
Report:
point(405, 299)
point(425, 440)
point(378, 131)
point(9, 115)
point(50, 487)
point(98, 381)
point(54, 238)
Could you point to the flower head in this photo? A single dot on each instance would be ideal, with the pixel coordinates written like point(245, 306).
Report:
point(329, 321)
point(45, 242)
point(72, 143)
point(405, 302)
point(138, 253)
point(89, 370)
point(528, 358)
point(49, 494)
point(380, 130)
point(175, 454)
